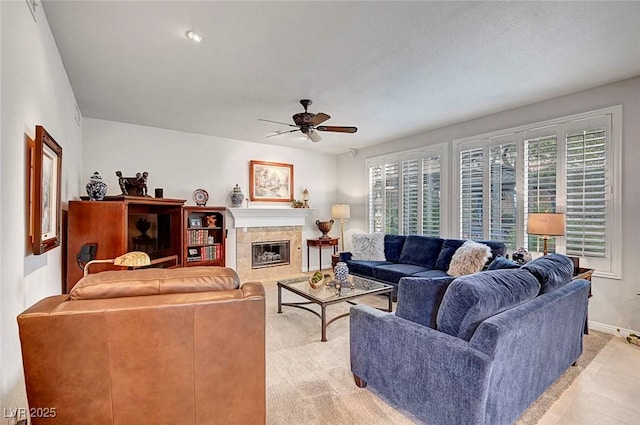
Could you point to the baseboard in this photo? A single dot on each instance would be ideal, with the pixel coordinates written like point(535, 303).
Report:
point(602, 327)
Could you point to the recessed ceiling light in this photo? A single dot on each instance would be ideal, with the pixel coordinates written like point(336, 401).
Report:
point(194, 36)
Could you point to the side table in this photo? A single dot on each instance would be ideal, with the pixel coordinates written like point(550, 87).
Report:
point(586, 274)
point(334, 260)
point(320, 243)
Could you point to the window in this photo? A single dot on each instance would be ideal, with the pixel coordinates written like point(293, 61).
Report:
point(568, 165)
point(405, 193)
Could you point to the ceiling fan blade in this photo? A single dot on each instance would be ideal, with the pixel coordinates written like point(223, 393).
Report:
point(315, 137)
point(278, 122)
point(337, 129)
point(278, 133)
point(319, 118)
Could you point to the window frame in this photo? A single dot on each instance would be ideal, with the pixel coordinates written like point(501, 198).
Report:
point(439, 149)
point(611, 265)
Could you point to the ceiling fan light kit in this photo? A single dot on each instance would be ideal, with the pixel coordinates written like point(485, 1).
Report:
point(309, 123)
point(194, 36)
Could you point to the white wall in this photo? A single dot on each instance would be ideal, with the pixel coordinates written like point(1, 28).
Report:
point(614, 303)
point(181, 162)
point(34, 90)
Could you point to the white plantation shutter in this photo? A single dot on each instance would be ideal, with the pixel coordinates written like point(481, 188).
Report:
point(568, 165)
point(586, 192)
point(540, 167)
point(410, 194)
point(431, 195)
point(391, 197)
point(502, 182)
point(405, 192)
point(375, 198)
point(471, 193)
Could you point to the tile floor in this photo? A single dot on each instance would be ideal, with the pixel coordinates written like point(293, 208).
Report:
point(607, 392)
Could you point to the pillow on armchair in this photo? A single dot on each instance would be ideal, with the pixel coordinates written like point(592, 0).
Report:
point(469, 258)
point(368, 246)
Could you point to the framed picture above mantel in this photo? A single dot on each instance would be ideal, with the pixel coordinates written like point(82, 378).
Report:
point(270, 181)
point(45, 174)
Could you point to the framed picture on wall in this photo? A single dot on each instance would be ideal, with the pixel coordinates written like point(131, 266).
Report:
point(270, 181)
point(45, 172)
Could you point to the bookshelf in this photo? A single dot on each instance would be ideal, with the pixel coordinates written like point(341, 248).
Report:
point(204, 236)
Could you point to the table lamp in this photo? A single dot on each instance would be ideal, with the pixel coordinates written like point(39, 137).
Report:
point(342, 212)
point(130, 259)
point(546, 224)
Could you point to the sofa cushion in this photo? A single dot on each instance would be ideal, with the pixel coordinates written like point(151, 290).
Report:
point(552, 271)
point(368, 246)
point(449, 248)
point(471, 299)
point(394, 272)
point(420, 298)
point(134, 283)
point(497, 248)
point(364, 268)
point(432, 273)
point(421, 251)
point(469, 258)
point(503, 263)
point(393, 246)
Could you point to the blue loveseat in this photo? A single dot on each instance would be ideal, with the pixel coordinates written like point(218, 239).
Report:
point(475, 351)
point(412, 256)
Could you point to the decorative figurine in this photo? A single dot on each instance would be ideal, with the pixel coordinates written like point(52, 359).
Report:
point(237, 197)
point(136, 186)
point(211, 221)
point(122, 181)
point(96, 188)
point(521, 256)
point(305, 198)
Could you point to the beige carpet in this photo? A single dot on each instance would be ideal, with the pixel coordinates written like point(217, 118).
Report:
point(309, 382)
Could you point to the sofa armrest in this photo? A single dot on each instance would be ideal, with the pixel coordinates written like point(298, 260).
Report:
point(419, 298)
point(400, 359)
point(345, 256)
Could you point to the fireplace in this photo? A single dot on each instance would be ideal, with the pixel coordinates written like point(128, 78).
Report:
point(269, 254)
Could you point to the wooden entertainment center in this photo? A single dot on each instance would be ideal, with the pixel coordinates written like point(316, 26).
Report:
point(160, 227)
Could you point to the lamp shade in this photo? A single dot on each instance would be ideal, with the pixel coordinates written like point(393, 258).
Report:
point(546, 224)
point(340, 211)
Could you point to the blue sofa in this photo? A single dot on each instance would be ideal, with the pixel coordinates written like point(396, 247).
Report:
point(475, 351)
point(413, 256)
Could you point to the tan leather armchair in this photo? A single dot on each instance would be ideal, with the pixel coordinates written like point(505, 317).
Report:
point(154, 346)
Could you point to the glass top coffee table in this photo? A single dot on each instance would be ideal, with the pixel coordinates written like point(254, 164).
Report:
point(327, 295)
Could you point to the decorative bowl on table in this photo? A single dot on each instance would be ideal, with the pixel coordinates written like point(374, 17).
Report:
point(316, 280)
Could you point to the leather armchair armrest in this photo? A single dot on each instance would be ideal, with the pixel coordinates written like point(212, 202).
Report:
point(252, 290)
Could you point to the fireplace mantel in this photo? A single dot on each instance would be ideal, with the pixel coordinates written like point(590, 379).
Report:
point(269, 217)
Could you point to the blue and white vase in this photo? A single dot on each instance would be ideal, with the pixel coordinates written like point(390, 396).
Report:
point(341, 271)
point(237, 197)
point(96, 188)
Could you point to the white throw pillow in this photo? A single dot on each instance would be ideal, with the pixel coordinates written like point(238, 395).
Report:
point(368, 246)
point(469, 258)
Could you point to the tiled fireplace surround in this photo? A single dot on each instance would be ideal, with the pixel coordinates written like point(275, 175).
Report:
point(264, 225)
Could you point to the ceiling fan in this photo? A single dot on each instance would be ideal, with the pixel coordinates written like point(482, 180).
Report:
point(309, 123)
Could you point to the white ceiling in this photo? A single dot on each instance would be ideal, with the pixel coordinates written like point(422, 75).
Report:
point(390, 68)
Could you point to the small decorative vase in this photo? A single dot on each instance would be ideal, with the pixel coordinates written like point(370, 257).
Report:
point(96, 188)
point(237, 197)
point(341, 272)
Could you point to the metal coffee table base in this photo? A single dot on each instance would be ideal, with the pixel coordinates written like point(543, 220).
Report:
point(323, 306)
